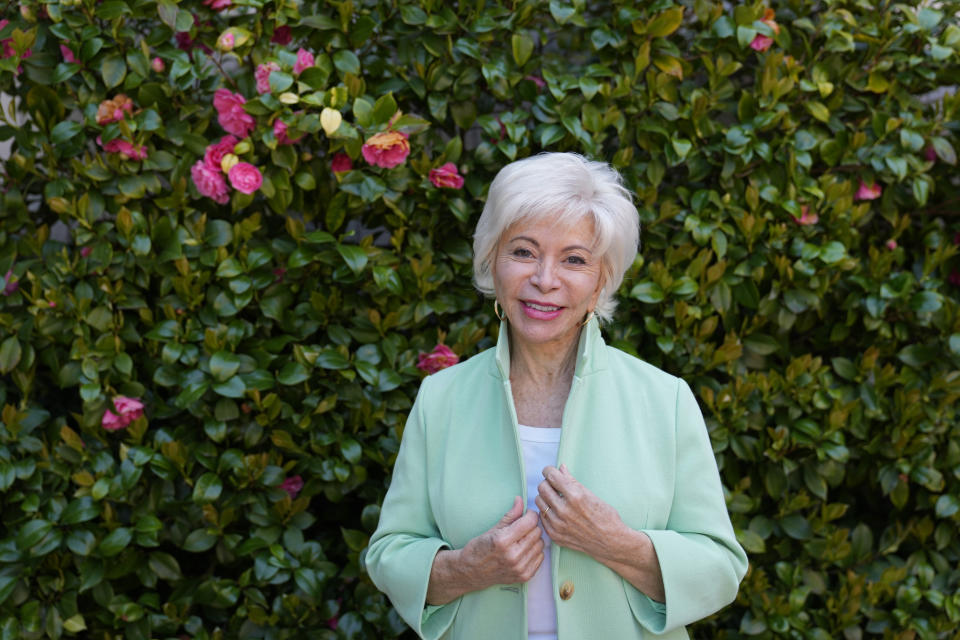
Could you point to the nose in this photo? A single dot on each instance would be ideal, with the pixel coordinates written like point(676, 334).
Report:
point(545, 277)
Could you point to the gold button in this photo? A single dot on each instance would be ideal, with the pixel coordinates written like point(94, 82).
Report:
point(566, 590)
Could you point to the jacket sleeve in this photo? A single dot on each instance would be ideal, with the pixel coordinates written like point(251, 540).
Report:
point(401, 551)
point(700, 559)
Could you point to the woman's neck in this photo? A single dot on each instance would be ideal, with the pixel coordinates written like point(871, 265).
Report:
point(543, 365)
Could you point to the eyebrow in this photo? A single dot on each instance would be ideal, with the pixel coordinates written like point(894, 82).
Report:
point(537, 244)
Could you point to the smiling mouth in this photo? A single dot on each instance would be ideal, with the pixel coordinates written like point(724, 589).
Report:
point(541, 307)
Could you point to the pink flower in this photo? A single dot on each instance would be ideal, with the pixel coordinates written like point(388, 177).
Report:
point(214, 153)
point(446, 176)
point(930, 154)
point(760, 41)
point(112, 422)
point(341, 163)
point(262, 75)
point(217, 5)
point(871, 192)
point(12, 283)
point(891, 244)
point(8, 50)
point(333, 622)
point(67, 54)
point(282, 36)
point(537, 80)
point(230, 113)
point(114, 110)
point(440, 358)
point(124, 148)
point(386, 149)
point(210, 182)
point(157, 65)
point(954, 278)
point(280, 133)
point(128, 410)
point(245, 178)
point(292, 485)
point(86, 251)
point(304, 60)
point(226, 41)
point(806, 217)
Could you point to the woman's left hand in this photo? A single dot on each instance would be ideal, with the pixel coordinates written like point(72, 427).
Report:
point(574, 517)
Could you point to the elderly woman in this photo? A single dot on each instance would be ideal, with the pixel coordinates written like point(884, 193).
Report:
point(623, 532)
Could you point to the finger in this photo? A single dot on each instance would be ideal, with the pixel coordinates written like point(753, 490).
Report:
point(512, 515)
point(542, 506)
point(550, 495)
point(557, 480)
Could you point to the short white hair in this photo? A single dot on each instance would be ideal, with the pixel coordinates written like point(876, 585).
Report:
point(564, 188)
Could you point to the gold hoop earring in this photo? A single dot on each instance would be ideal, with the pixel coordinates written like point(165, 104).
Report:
point(587, 319)
point(496, 310)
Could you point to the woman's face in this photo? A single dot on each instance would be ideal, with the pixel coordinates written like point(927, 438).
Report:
point(547, 279)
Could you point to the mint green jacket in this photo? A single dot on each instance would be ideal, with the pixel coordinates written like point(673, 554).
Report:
point(632, 434)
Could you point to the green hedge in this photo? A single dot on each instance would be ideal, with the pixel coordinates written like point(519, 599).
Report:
point(794, 165)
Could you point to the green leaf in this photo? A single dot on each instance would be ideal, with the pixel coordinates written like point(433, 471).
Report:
point(208, 488)
point(280, 81)
point(115, 542)
point(761, 344)
point(65, 131)
point(384, 109)
point(665, 23)
point(354, 256)
point(797, 527)
point(80, 510)
point(522, 46)
point(832, 252)
point(164, 566)
point(346, 61)
point(81, 542)
point(113, 70)
point(363, 112)
point(944, 150)
point(33, 532)
point(817, 110)
point(10, 354)
point(233, 387)
point(199, 540)
point(355, 539)
point(649, 292)
point(926, 301)
point(224, 365)
point(167, 10)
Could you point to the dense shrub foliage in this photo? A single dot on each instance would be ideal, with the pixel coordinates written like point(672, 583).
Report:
point(209, 210)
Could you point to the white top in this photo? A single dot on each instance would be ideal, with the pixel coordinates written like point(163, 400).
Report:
point(540, 446)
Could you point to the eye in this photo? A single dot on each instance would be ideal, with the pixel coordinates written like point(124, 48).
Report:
point(578, 260)
point(521, 252)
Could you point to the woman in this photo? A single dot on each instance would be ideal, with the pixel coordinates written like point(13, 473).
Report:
point(625, 532)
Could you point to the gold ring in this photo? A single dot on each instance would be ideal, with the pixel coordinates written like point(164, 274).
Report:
point(544, 512)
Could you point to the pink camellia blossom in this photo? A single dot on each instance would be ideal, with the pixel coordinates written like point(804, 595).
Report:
point(112, 422)
point(86, 251)
point(217, 5)
point(157, 65)
point(230, 113)
point(128, 410)
point(226, 41)
point(304, 60)
point(262, 74)
point(125, 148)
point(954, 278)
point(245, 178)
point(213, 155)
point(868, 192)
point(67, 54)
point(281, 36)
point(446, 176)
point(12, 283)
point(440, 358)
point(930, 154)
point(761, 42)
point(210, 182)
point(386, 149)
point(280, 133)
point(341, 163)
point(114, 110)
point(292, 486)
point(806, 217)
point(891, 244)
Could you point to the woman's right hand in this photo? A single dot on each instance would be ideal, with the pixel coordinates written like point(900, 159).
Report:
point(509, 552)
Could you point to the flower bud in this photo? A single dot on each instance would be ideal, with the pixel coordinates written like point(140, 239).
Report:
point(226, 41)
point(242, 147)
point(28, 13)
point(228, 162)
point(157, 65)
point(288, 97)
point(330, 120)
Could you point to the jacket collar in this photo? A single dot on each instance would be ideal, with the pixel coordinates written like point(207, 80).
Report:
point(591, 351)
